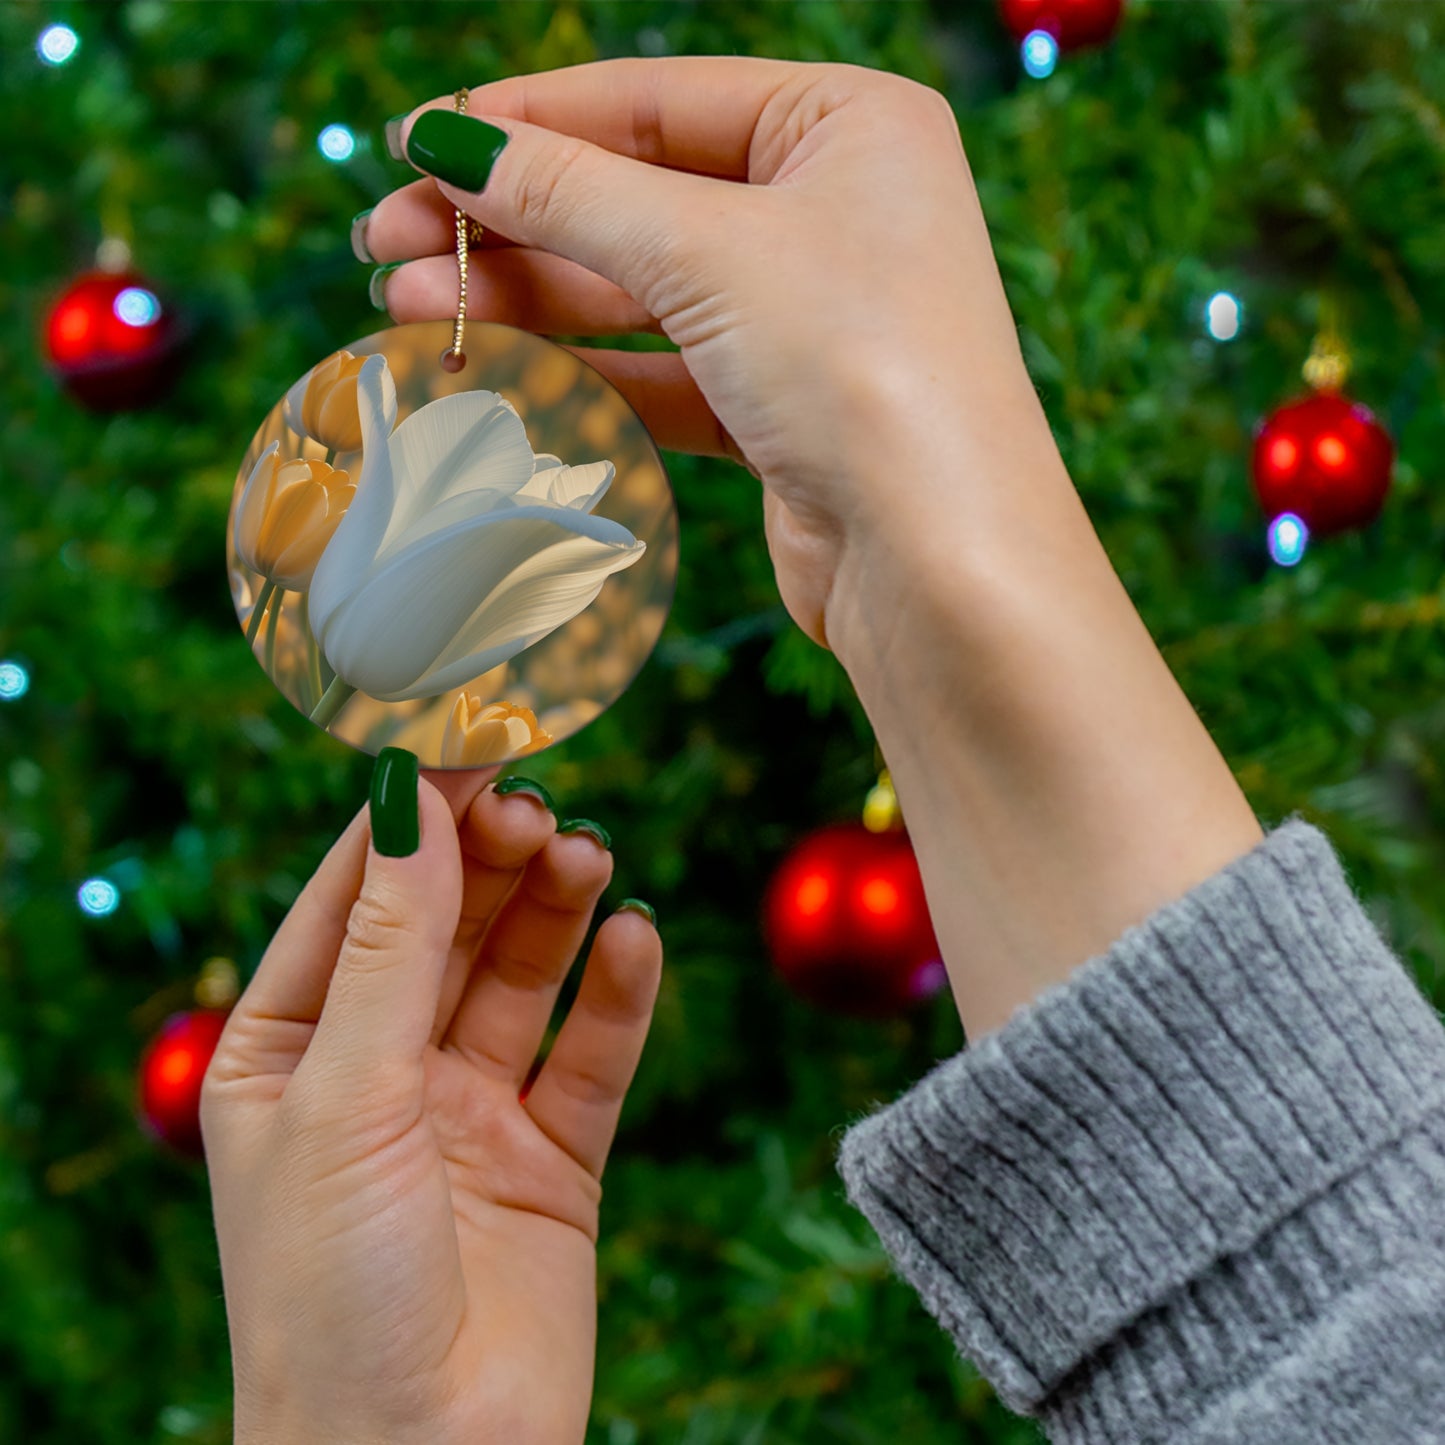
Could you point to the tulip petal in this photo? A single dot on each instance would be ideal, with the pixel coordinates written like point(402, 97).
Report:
point(251, 509)
point(580, 487)
point(432, 601)
point(472, 441)
point(357, 538)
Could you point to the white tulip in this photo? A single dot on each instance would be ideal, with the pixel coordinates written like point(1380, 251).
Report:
point(459, 550)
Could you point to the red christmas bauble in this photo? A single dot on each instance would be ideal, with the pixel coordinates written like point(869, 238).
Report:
point(847, 923)
point(171, 1072)
point(112, 341)
point(1324, 458)
point(1073, 23)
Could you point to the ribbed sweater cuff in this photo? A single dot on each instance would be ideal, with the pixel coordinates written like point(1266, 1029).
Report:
point(1148, 1162)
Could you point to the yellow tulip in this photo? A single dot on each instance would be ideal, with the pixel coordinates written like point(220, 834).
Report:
point(476, 735)
point(322, 405)
point(286, 515)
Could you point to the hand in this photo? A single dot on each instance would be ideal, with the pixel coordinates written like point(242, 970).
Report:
point(408, 1248)
point(842, 325)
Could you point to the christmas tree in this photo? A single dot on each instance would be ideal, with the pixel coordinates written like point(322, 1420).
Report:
point(1179, 214)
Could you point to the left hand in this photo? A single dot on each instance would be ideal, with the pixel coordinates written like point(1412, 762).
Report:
point(407, 1246)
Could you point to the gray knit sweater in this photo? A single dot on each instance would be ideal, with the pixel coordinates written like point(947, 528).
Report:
point(1196, 1192)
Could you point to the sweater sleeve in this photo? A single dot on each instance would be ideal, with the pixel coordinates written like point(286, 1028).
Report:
point(1195, 1193)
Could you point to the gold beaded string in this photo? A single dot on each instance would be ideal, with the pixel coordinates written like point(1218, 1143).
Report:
point(455, 358)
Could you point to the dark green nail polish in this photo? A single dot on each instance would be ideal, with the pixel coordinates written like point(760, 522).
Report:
point(526, 785)
point(358, 237)
point(376, 289)
point(392, 133)
point(455, 148)
point(586, 825)
point(636, 905)
point(395, 820)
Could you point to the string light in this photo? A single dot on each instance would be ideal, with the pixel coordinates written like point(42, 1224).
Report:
point(1288, 538)
point(336, 143)
point(98, 897)
point(1040, 52)
point(1223, 316)
point(57, 44)
point(14, 681)
point(136, 306)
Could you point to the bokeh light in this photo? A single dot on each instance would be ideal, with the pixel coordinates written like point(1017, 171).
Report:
point(1223, 316)
point(98, 897)
point(1040, 53)
point(137, 307)
point(57, 44)
point(336, 143)
point(1288, 538)
point(14, 681)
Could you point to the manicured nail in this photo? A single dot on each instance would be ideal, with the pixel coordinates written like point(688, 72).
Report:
point(376, 289)
point(526, 785)
point(358, 236)
point(586, 825)
point(393, 136)
point(455, 148)
point(636, 905)
point(395, 820)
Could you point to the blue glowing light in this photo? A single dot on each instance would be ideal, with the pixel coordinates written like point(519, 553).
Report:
point(1040, 53)
point(137, 307)
point(336, 143)
point(98, 897)
point(57, 44)
point(1288, 538)
point(14, 681)
point(1223, 316)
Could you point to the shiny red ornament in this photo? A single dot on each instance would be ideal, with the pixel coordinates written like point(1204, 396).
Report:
point(112, 341)
point(1326, 459)
point(847, 924)
point(1073, 23)
point(171, 1072)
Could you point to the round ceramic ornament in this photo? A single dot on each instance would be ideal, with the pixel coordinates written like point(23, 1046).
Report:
point(467, 551)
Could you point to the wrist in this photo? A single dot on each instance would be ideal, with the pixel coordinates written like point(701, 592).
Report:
point(1057, 784)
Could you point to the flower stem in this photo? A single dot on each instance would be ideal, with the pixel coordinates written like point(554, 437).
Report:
point(259, 611)
point(277, 603)
point(313, 652)
point(334, 699)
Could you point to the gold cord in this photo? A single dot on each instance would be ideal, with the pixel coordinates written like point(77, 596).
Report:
point(467, 230)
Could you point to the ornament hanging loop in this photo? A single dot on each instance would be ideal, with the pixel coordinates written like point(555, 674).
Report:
point(468, 232)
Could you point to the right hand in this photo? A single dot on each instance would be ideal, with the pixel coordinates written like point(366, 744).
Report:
point(842, 326)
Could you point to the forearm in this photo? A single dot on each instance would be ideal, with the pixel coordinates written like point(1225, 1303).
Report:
point(1056, 782)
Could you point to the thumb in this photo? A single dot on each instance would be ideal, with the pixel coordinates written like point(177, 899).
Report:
point(634, 224)
point(382, 1000)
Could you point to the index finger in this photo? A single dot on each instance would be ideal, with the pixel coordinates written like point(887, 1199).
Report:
point(687, 112)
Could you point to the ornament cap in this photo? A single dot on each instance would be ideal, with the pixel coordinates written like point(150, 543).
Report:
point(881, 813)
point(219, 984)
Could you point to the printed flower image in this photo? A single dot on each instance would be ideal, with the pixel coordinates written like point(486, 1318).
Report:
point(435, 576)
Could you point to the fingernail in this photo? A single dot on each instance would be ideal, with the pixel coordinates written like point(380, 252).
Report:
point(636, 905)
point(395, 820)
point(586, 825)
point(455, 148)
point(358, 236)
point(526, 785)
point(393, 136)
point(376, 288)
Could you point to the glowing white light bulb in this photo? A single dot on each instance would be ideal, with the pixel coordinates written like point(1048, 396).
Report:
point(1223, 316)
point(57, 44)
point(1040, 53)
point(137, 307)
point(336, 143)
point(14, 681)
point(98, 897)
point(1288, 538)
